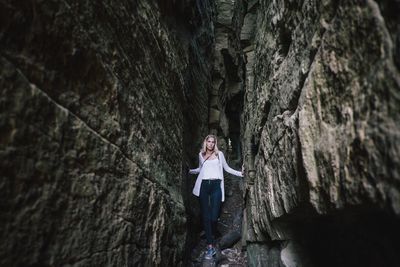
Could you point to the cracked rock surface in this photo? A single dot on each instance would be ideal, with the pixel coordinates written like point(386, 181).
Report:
point(98, 102)
point(322, 127)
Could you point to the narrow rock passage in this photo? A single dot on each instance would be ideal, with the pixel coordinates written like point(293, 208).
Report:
point(103, 105)
point(229, 251)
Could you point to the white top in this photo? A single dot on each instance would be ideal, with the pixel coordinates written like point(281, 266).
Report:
point(222, 166)
point(210, 169)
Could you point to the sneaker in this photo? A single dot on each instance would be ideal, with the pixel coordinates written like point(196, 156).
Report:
point(210, 253)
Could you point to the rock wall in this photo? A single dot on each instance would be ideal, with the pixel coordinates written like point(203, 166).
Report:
point(104, 105)
point(322, 134)
point(100, 102)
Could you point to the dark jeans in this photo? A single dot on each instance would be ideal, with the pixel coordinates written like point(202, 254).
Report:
point(210, 204)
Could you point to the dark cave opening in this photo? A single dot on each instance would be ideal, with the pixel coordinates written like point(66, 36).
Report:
point(353, 237)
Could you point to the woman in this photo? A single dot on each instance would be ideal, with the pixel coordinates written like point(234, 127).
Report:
point(209, 187)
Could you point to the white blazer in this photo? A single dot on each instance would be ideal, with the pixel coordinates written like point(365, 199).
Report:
point(222, 166)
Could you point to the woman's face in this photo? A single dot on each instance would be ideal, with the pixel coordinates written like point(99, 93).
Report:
point(210, 143)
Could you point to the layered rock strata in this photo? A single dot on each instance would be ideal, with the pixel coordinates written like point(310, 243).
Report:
point(99, 101)
point(322, 134)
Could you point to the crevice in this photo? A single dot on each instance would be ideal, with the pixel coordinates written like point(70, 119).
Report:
point(275, 144)
point(301, 173)
point(285, 40)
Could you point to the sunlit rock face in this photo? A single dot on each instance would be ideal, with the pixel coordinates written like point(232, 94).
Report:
point(322, 129)
point(99, 101)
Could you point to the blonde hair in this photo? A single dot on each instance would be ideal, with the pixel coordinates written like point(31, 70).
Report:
point(204, 147)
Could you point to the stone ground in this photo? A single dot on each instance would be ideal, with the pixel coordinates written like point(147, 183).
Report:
point(229, 253)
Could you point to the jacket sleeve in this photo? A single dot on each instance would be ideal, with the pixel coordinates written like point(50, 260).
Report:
point(197, 170)
point(227, 168)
